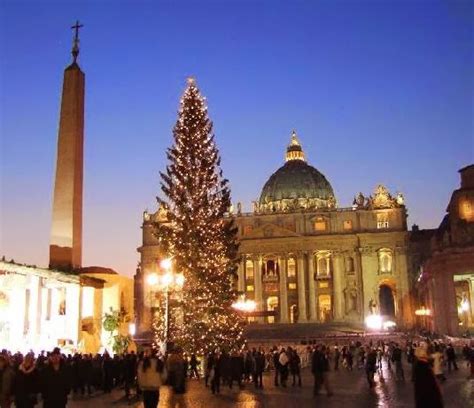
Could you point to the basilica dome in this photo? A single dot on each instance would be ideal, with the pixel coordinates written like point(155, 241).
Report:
point(296, 185)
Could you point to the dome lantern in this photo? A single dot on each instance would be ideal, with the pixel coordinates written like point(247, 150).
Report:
point(294, 151)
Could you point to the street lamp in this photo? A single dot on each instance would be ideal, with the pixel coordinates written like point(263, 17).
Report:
point(167, 282)
point(245, 307)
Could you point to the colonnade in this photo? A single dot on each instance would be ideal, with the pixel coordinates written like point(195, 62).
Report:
point(306, 284)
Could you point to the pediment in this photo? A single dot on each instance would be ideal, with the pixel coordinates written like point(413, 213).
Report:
point(271, 231)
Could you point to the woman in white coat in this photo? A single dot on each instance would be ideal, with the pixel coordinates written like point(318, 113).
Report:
point(151, 375)
point(438, 360)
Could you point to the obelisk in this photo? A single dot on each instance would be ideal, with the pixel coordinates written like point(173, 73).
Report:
point(65, 250)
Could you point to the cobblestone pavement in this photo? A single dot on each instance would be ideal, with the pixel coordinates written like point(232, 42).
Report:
point(350, 390)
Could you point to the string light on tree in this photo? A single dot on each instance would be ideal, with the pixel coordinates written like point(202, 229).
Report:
point(197, 235)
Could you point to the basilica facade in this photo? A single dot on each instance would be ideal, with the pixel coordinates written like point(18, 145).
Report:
point(304, 259)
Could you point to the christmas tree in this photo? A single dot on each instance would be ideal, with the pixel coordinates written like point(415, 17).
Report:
point(199, 235)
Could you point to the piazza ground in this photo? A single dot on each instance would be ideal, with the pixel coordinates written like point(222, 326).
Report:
point(350, 390)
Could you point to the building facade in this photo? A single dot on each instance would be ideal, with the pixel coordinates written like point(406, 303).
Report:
point(303, 259)
point(446, 277)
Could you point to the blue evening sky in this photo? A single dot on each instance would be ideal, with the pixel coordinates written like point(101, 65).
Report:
point(378, 91)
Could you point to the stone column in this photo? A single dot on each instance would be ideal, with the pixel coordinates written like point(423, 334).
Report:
point(302, 315)
point(313, 316)
point(79, 314)
point(407, 314)
point(471, 298)
point(283, 289)
point(39, 308)
point(337, 280)
point(257, 273)
point(368, 268)
point(241, 275)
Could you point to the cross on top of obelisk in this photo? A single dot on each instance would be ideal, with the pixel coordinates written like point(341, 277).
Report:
point(75, 43)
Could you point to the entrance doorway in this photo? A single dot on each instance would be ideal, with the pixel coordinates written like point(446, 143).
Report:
point(386, 301)
point(324, 307)
point(272, 305)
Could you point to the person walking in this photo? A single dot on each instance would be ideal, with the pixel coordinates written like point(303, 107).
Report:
point(295, 366)
point(438, 361)
point(150, 378)
point(25, 385)
point(397, 360)
point(193, 366)
point(259, 368)
point(427, 392)
point(208, 364)
point(236, 368)
point(283, 361)
point(371, 366)
point(320, 369)
point(451, 357)
point(108, 372)
point(276, 365)
point(130, 372)
point(337, 356)
point(55, 382)
point(6, 381)
point(176, 369)
point(215, 368)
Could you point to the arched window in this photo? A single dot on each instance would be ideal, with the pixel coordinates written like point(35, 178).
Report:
point(249, 269)
point(323, 263)
point(385, 260)
point(291, 268)
point(271, 269)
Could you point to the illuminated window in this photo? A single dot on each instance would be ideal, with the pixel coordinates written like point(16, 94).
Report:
point(348, 225)
point(385, 260)
point(382, 221)
point(292, 286)
point(250, 288)
point(323, 263)
point(466, 210)
point(249, 269)
point(291, 268)
point(323, 285)
point(320, 224)
point(248, 229)
point(349, 264)
point(62, 302)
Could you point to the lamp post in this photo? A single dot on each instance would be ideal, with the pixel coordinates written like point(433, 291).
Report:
point(167, 282)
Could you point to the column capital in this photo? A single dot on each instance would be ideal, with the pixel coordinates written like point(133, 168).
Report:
point(366, 250)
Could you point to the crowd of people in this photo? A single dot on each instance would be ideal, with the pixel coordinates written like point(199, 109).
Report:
point(52, 377)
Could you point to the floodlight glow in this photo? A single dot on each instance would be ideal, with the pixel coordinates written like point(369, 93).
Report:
point(152, 279)
point(179, 280)
point(465, 305)
point(423, 312)
point(166, 263)
point(166, 279)
point(373, 322)
point(245, 305)
point(389, 324)
point(132, 329)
